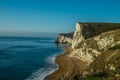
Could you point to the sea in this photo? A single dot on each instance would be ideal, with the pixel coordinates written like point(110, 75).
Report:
point(27, 58)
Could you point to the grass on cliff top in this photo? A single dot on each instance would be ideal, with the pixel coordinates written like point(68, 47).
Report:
point(93, 78)
point(110, 57)
point(97, 23)
point(87, 78)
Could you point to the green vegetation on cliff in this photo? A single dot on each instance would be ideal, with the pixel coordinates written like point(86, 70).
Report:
point(105, 66)
point(94, 54)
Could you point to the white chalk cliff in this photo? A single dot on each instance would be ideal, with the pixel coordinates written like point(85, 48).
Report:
point(91, 39)
point(77, 36)
point(93, 47)
point(64, 38)
point(94, 52)
point(87, 30)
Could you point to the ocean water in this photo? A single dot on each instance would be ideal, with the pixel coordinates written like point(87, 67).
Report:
point(27, 58)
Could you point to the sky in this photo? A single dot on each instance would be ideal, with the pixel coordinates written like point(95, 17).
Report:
point(54, 16)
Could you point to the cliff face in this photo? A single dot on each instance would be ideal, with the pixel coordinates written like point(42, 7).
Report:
point(87, 30)
point(94, 54)
point(99, 46)
point(84, 31)
point(106, 66)
point(91, 48)
point(64, 38)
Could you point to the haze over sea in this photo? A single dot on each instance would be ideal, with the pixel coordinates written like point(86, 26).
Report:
point(27, 58)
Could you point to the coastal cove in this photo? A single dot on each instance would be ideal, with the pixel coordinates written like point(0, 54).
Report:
point(66, 66)
point(93, 54)
point(59, 39)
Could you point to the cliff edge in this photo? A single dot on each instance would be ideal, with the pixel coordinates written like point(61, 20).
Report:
point(87, 30)
point(93, 55)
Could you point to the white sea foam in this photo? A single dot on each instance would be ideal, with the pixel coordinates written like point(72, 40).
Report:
point(43, 72)
point(50, 59)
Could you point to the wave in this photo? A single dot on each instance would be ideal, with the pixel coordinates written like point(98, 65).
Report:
point(43, 72)
point(50, 59)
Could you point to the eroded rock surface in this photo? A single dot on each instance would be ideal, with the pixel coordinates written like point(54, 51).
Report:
point(64, 38)
point(93, 47)
point(94, 54)
point(87, 30)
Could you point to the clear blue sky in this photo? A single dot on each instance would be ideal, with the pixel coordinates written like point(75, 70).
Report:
point(54, 15)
